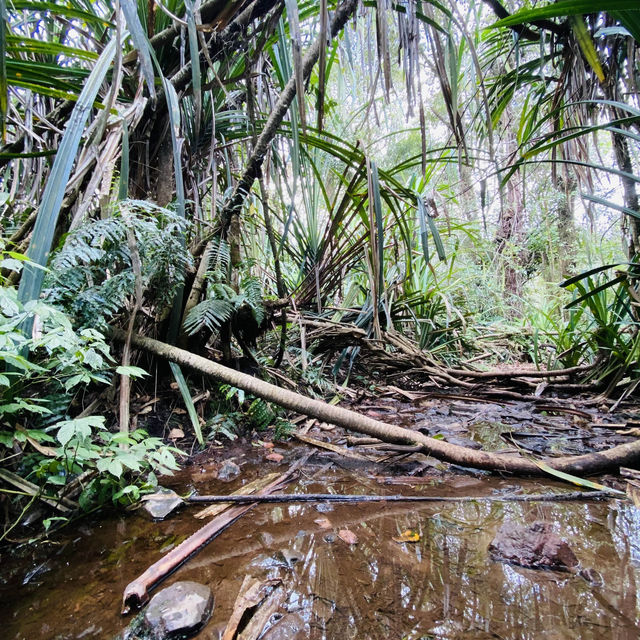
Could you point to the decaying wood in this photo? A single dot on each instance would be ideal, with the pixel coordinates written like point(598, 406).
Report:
point(262, 599)
point(330, 447)
point(408, 358)
point(332, 497)
point(613, 458)
point(136, 593)
point(253, 592)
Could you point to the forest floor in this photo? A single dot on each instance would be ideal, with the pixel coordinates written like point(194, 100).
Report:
point(364, 569)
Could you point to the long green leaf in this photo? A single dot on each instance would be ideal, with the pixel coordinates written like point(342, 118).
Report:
point(585, 42)
point(19, 45)
point(611, 205)
point(188, 401)
point(377, 208)
point(567, 8)
point(194, 53)
point(596, 290)
point(424, 234)
point(580, 482)
point(140, 42)
point(590, 272)
point(437, 240)
point(631, 20)
point(3, 70)
point(176, 144)
point(60, 9)
point(44, 228)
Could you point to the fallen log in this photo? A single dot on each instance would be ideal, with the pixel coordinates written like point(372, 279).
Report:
point(590, 463)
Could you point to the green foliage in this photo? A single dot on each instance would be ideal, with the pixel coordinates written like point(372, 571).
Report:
point(234, 410)
point(92, 276)
point(212, 314)
point(598, 327)
point(223, 304)
point(62, 358)
point(42, 373)
point(127, 463)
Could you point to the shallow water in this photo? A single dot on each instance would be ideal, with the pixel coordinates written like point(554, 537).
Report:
point(443, 587)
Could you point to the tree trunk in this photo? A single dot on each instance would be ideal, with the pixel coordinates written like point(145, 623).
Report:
point(622, 455)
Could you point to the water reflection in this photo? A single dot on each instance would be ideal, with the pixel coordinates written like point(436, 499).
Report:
point(443, 587)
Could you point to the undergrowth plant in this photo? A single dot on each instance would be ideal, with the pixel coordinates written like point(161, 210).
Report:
point(41, 379)
point(92, 275)
point(599, 326)
point(236, 411)
point(242, 309)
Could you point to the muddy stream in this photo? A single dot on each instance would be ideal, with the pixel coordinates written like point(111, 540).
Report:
point(445, 585)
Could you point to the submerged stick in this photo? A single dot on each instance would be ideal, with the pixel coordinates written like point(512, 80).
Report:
point(332, 497)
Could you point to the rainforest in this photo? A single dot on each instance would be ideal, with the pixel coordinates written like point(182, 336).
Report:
point(320, 319)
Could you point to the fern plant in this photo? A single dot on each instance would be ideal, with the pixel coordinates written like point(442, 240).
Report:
point(223, 304)
point(254, 412)
point(92, 276)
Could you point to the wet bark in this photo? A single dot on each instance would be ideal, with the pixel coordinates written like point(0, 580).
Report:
point(508, 241)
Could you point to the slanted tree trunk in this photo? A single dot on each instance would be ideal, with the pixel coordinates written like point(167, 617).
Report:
point(622, 455)
point(630, 195)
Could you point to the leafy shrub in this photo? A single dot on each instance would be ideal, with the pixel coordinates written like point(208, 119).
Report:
point(223, 304)
point(38, 438)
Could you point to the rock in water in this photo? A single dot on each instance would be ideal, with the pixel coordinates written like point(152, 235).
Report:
point(533, 546)
point(178, 611)
point(290, 627)
point(228, 471)
point(161, 503)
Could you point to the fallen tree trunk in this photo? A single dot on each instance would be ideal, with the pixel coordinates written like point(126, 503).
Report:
point(621, 455)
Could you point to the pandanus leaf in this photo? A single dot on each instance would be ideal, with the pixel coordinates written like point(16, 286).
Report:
point(45, 225)
point(3, 70)
point(140, 42)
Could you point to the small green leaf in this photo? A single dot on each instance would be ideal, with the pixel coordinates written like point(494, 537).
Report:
point(115, 468)
point(47, 522)
point(131, 371)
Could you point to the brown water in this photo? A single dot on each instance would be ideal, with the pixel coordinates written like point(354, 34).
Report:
point(443, 587)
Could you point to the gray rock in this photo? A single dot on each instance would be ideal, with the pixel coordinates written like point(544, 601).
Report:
point(180, 610)
point(160, 504)
point(534, 546)
point(228, 471)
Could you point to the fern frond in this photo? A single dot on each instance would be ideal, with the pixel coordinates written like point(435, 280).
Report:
point(210, 314)
point(252, 290)
point(261, 414)
point(222, 291)
point(91, 275)
point(219, 260)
